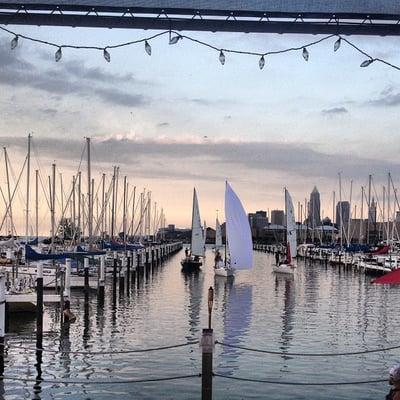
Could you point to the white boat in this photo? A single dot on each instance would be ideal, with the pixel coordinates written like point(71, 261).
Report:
point(288, 266)
point(192, 261)
point(238, 237)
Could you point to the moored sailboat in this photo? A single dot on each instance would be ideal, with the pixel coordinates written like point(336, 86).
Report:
point(238, 237)
point(192, 261)
point(288, 266)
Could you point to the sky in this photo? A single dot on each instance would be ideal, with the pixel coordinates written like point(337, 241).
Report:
point(179, 119)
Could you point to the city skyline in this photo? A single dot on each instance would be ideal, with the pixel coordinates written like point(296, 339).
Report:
point(158, 119)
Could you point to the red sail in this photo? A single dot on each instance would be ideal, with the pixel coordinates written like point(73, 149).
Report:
point(382, 250)
point(392, 278)
point(288, 255)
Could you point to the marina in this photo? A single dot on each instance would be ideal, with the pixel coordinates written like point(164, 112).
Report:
point(318, 310)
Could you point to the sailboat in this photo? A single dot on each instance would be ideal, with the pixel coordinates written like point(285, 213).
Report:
point(287, 266)
point(238, 237)
point(192, 261)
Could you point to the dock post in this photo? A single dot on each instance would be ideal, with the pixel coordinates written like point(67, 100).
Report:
point(207, 346)
point(86, 270)
point(39, 299)
point(115, 277)
point(67, 314)
point(122, 276)
point(138, 256)
point(2, 322)
point(128, 272)
point(101, 280)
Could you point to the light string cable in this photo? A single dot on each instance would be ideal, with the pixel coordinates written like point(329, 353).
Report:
point(221, 50)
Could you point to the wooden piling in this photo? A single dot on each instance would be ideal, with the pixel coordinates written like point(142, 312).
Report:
point(86, 271)
point(2, 322)
point(100, 297)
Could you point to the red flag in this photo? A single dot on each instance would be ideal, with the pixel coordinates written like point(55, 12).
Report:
point(391, 278)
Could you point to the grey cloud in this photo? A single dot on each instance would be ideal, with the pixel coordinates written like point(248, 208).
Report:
point(163, 124)
point(49, 111)
point(297, 160)
point(387, 99)
point(77, 80)
point(335, 111)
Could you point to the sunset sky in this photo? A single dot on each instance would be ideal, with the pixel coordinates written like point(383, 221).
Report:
point(180, 119)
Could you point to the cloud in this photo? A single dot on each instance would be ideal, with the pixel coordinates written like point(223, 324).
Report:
point(334, 111)
point(163, 124)
point(68, 78)
point(388, 98)
point(210, 159)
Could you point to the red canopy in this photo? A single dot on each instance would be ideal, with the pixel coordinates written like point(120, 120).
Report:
point(391, 278)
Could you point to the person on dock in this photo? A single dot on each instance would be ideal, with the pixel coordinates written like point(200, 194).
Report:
point(277, 257)
point(394, 380)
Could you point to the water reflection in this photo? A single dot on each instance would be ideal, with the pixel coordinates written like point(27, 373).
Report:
point(288, 310)
point(237, 315)
point(194, 283)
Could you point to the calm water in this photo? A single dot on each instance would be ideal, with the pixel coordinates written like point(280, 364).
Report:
point(319, 310)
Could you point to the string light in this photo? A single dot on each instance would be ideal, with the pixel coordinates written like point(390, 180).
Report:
point(222, 57)
point(178, 36)
point(337, 44)
point(175, 39)
point(14, 42)
point(306, 55)
point(147, 47)
point(366, 63)
point(58, 55)
point(261, 63)
point(106, 55)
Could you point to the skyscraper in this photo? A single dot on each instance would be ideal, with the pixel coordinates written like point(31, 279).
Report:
point(342, 213)
point(372, 212)
point(314, 209)
point(277, 217)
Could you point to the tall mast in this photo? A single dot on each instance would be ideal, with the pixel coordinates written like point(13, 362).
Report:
point(79, 205)
point(124, 211)
point(383, 212)
point(53, 203)
point(103, 206)
point(37, 203)
point(28, 175)
point(90, 200)
point(113, 204)
point(133, 212)
point(341, 211)
point(73, 206)
point(349, 218)
point(388, 210)
point(369, 205)
point(361, 238)
point(9, 192)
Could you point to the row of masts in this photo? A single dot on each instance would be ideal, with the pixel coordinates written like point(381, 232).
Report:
point(91, 214)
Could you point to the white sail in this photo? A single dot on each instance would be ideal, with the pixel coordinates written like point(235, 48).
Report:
point(238, 231)
point(218, 235)
point(204, 235)
point(197, 244)
point(290, 225)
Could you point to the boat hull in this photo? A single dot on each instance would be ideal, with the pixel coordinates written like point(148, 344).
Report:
point(284, 268)
point(191, 265)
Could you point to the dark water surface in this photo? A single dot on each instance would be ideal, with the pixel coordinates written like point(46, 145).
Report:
point(318, 310)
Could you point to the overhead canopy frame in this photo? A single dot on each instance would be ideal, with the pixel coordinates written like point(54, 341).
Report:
point(348, 17)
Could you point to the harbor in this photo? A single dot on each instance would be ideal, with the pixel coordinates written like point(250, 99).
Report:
point(319, 310)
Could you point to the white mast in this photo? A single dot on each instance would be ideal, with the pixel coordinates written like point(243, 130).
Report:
point(28, 175)
point(341, 211)
point(90, 200)
point(37, 204)
point(53, 203)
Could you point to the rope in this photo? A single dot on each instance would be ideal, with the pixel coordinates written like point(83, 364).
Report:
point(103, 352)
point(350, 353)
point(237, 378)
point(94, 382)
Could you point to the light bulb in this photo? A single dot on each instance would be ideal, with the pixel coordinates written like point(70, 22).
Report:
point(305, 54)
point(58, 55)
point(106, 55)
point(337, 44)
point(175, 39)
point(147, 47)
point(222, 57)
point(366, 63)
point(261, 63)
point(14, 42)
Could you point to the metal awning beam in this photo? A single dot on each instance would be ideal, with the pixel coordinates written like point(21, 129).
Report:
point(333, 24)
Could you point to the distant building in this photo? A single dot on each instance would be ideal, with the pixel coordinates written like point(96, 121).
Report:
point(314, 209)
point(372, 212)
point(171, 227)
point(277, 217)
point(258, 220)
point(342, 213)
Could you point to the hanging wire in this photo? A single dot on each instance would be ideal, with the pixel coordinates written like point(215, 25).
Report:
point(105, 49)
